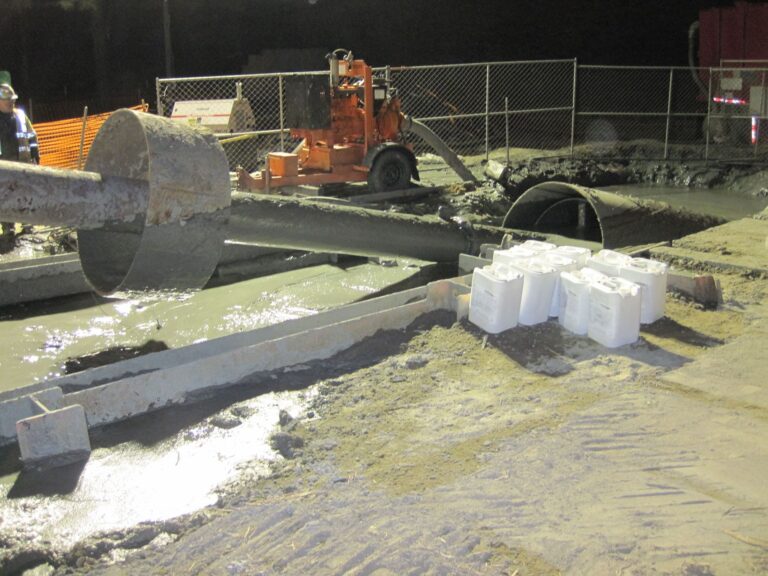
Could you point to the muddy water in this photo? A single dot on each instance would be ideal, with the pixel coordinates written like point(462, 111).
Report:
point(37, 341)
point(152, 468)
point(168, 463)
point(714, 202)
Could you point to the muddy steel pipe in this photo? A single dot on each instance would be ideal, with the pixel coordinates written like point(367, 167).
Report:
point(612, 220)
point(86, 200)
point(153, 209)
point(150, 208)
point(302, 224)
point(46, 196)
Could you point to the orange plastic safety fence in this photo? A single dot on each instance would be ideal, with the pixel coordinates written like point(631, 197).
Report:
point(59, 141)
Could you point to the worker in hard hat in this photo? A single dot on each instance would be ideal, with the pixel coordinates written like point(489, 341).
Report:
point(18, 139)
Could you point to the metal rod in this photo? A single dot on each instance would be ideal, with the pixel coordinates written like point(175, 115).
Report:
point(476, 64)
point(167, 41)
point(756, 118)
point(669, 116)
point(282, 112)
point(573, 104)
point(158, 99)
point(506, 125)
point(709, 119)
point(487, 109)
point(82, 139)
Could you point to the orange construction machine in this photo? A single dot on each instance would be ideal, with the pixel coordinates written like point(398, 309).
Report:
point(350, 130)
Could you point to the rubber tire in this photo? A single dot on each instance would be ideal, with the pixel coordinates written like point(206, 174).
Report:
point(391, 171)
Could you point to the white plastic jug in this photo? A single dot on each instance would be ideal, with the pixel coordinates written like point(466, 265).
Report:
point(652, 276)
point(494, 302)
point(538, 287)
point(511, 254)
point(560, 263)
point(608, 262)
point(574, 298)
point(578, 253)
point(614, 312)
point(538, 245)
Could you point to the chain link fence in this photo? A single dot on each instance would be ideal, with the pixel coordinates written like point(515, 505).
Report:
point(246, 143)
point(737, 109)
point(481, 108)
point(654, 113)
point(544, 108)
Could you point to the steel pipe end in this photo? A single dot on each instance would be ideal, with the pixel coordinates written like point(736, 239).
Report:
point(176, 244)
point(612, 220)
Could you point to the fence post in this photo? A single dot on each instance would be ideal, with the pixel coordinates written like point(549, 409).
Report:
point(709, 119)
point(506, 125)
point(487, 108)
point(282, 111)
point(160, 110)
point(669, 115)
point(756, 119)
point(573, 104)
point(82, 139)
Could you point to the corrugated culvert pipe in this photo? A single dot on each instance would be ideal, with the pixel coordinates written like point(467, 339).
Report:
point(610, 219)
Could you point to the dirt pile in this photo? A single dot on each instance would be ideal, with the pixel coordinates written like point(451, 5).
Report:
point(593, 173)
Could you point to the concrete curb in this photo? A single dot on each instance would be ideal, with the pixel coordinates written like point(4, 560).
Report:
point(59, 434)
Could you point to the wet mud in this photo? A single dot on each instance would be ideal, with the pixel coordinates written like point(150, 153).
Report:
point(110, 355)
point(748, 180)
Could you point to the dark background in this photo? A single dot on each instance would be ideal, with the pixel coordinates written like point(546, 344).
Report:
point(107, 53)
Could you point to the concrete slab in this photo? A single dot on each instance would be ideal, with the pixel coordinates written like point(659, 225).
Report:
point(33, 279)
point(41, 278)
point(703, 288)
point(128, 397)
point(739, 245)
point(54, 438)
point(194, 352)
point(13, 410)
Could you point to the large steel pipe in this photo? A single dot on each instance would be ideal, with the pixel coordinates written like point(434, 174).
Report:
point(177, 242)
point(311, 225)
point(46, 196)
point(151, 208)
point(612, 220)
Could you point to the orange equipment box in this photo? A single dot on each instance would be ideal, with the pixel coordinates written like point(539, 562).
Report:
point(283, 164)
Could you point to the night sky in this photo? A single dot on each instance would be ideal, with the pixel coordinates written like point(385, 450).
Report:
point(50, 49)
